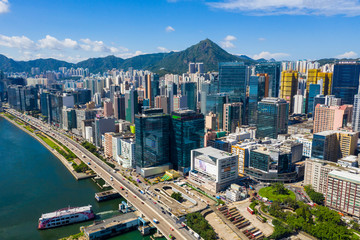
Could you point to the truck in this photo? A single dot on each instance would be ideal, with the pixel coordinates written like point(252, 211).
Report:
point(155, 221)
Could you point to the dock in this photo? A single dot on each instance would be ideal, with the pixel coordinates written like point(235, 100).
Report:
point(106, 195)
point(111, 227)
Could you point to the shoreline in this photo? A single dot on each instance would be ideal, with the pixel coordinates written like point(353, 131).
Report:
point(65, 162)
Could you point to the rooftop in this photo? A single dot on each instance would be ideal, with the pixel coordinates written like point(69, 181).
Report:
point(213, 152)
point(346, 176)
point(110, 222)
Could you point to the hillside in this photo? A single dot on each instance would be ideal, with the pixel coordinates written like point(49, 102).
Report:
point(205, 51)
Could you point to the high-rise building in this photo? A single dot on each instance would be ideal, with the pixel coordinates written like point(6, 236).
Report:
point(180, 102)
point(233, 81)
point(314, 90)
point(257, 91)
point(211, 121)
point(298, 104)
point(342, 194)
point(188, 89)
point(68, 118)
point(332, 145)
point(232, 116)
point(152, 129)
point(186, 134)
point(272, 117)
point(345, 82)
point(331, 117)
point(131, 104)
point(289, 86)
point(214, 103)
point(315, 76)
point(356, 113)
point(108, 109)
point(273, 73)
point(119, 106)
point(163, 103)
point(192, 67)
point(100, 127)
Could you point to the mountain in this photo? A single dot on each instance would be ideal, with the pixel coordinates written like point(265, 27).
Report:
point(205, 51)
point(96, 65)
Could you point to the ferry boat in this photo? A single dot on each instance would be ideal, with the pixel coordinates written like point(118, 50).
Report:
point(65, 216)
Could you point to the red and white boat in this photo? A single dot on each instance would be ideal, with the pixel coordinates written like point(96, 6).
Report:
point(65, 216)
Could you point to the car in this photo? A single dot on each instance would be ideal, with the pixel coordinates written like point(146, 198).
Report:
point(134, 196)
point(142, 202)
point(154, 202)
point(111, 179)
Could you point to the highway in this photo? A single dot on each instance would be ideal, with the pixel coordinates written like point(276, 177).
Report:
point(166, 225)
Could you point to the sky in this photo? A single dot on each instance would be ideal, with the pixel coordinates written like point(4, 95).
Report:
point(75, 30)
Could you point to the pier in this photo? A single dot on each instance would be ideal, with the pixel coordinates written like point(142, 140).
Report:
point(107, 195)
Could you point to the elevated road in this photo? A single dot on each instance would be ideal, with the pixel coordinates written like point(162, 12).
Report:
point(167, 226)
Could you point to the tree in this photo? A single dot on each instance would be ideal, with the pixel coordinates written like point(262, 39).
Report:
point(279, 188)
point(177, 196)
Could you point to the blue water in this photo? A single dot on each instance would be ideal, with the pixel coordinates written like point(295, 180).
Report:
point(33, 181)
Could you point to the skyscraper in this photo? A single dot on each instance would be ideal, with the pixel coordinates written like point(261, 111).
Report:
point(152, 138)
point(345, 82)
point(186, 134)
point(232, 116)
point(119, 106)
point(356, 113)
point(214, 103)
point(289, 86)
point(315, 76)
point(108, 109)
point(273, 73)
point(298, 104)
point(233, 79)
point(272, 117)
point(258, 86)
point(313, 91)
point(188, 89)
point(131, 104)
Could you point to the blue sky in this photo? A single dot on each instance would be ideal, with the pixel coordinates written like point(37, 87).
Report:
point(74, 30)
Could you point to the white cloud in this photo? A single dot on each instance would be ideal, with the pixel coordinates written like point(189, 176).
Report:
point(16, 42)
point(262, 39)
point(291, 7)
point(350, 54)
point(169, 29)
point(53, 43)
point(227, 43)
point(99, 46)
point(4, 6)
point(162, 49)
point(268, 55)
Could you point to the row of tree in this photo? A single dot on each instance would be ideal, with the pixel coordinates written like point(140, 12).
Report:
point(199, 224)
point(316, 197)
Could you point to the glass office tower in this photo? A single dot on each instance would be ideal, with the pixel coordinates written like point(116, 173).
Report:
point(273, 71)
point(345, 82)
point(272, 117)
point(152, 138)
point(314, 90)
point(188, 89)
point(186, 134)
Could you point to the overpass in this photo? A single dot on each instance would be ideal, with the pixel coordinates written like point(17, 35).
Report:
point(166, 225)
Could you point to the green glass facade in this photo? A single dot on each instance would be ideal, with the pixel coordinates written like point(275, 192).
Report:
point(186, 134)
point(272, 117)
point(152, 139)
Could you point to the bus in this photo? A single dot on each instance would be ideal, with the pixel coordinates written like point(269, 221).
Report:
point(250, 210)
